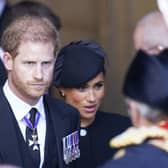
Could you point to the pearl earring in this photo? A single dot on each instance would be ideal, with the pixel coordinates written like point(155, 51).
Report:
point(62, 94)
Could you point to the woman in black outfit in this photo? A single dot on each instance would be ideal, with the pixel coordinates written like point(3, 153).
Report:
point(80, 79)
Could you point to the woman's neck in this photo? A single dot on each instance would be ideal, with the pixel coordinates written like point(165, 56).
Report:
point(86, 122)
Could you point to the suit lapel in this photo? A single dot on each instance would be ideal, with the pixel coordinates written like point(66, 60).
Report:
point(60, 124)
point(8, 144)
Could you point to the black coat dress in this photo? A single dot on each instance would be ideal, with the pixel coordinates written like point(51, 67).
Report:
point(94, 146)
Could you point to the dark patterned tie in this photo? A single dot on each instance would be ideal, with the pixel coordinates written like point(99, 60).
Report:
point(32, 139)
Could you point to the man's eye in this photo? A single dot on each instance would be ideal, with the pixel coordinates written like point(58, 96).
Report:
point(29, 62)
point(47, 62)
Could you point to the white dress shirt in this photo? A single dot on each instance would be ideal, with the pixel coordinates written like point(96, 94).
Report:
point(21, 109)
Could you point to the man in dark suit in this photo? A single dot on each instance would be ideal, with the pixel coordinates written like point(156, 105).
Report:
point(36, 130)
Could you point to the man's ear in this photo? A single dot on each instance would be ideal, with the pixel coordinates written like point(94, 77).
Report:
point(134, 114)
point(8, 61)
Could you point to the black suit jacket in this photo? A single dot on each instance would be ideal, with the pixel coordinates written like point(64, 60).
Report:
point(65, 120)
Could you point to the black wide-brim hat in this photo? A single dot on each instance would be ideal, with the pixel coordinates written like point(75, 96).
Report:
point(77, 63)
point(147, 80)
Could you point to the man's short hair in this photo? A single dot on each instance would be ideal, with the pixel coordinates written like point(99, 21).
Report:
point(29, 28)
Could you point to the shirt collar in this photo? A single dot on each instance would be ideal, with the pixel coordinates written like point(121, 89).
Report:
point(19, 107)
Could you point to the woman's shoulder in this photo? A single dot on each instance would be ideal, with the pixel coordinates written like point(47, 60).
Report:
point(111, 116)
point(113, 120)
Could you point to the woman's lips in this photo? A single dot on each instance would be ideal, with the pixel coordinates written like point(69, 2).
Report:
point(91, 108)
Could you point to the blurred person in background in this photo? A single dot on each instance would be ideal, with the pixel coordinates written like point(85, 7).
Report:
point(163, 7)
point(151, 33)
point(146, 93)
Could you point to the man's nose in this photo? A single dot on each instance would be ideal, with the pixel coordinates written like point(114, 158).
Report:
point(38, 74)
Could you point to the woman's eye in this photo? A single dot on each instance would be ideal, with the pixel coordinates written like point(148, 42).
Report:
point(82, 88)
point(99, 85)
